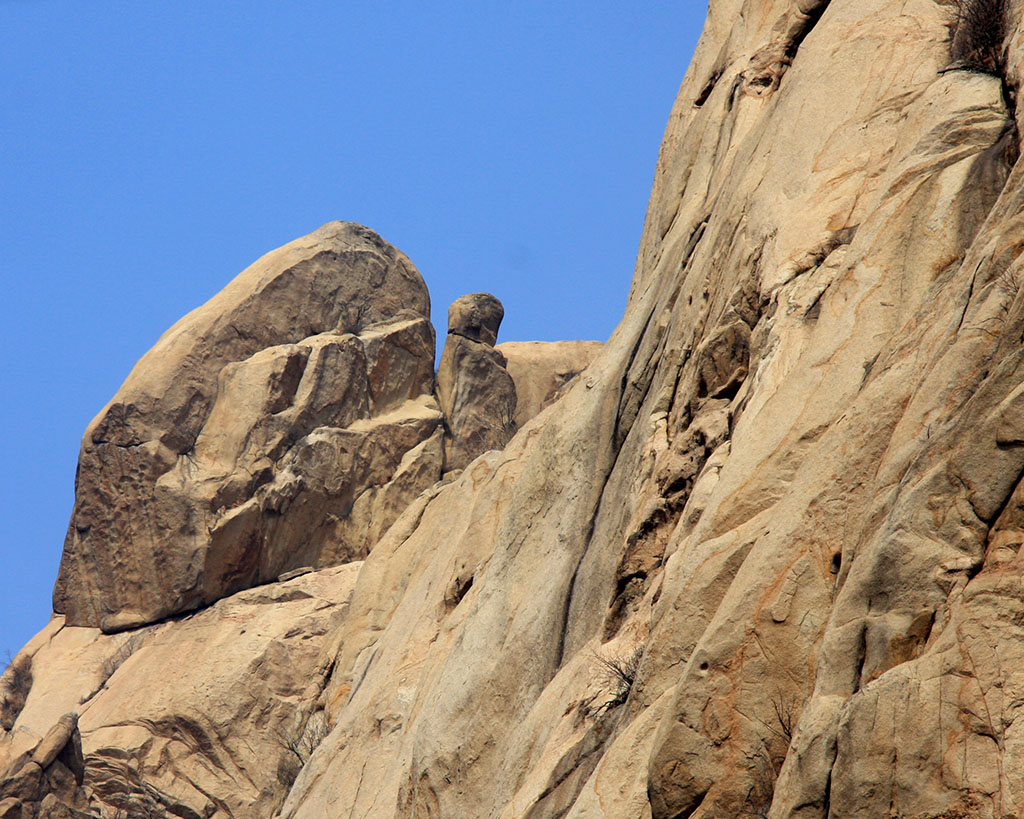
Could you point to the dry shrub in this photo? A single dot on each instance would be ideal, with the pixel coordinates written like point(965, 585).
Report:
point(619, 674)
point(15, 683)
point(304, 741)
point(123, 652)
point(981, 27)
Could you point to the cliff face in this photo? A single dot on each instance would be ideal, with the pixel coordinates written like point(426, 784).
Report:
point(760, 558)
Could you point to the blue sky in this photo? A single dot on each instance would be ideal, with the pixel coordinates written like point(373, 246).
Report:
point(151, 150)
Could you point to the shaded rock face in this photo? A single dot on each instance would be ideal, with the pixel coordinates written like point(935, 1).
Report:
point(476, 316)
point(284, 423)
point(476, 393)
point(761, 558)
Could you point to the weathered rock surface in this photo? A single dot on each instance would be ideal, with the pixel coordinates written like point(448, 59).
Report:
point(762, 558)
point(541, 370)
point(284, 423)
point(212, 715)
point(476, 392)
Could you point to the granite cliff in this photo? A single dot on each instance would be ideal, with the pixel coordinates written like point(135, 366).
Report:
point(757, 555)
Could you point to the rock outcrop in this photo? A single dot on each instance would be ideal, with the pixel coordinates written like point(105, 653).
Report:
point(285, 423)
point(476, 392)
point(761, 558)
point(46, 782)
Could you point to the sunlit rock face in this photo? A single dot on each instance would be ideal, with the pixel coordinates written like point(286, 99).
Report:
point(285, 423)
point(543, 370)
point(760, 558)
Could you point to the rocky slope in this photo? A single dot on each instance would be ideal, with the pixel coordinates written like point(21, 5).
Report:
point(760, 558)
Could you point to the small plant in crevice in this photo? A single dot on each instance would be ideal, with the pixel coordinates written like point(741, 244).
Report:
point(979, 36)
point(117, 659)
point(303, 741)
point(767, 763)
point(1007, 287)
point(15, 684)
point(1008, 284)
point(784, 720)
point(619, 675)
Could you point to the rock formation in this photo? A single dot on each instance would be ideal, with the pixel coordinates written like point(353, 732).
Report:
point(211, 715)
point(476, 392)
point(284, 423)
point(47, 781)
point(761, 558)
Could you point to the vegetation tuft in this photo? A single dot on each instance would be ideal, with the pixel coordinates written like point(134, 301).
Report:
point(981, 27)
point(303, 742)
point(15, 683)
point(123, 652)
point(619, 674)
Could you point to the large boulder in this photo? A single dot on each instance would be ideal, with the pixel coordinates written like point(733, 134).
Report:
point(284, 423)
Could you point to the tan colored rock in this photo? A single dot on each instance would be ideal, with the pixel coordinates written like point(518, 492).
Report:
point(265, 431)
point(476, 393)
point(791, 446)
point(48, 780)
point(476, 316)
point(55, 741)
point(784, 500)
point(220, 730)
point(542, 369)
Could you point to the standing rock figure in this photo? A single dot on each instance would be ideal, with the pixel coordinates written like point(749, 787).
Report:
point(476, 393)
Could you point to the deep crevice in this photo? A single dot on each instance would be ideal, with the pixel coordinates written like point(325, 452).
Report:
point(813, 18)
point(708, 88)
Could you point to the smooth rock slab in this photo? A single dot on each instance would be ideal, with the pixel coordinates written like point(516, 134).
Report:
point(542, 370)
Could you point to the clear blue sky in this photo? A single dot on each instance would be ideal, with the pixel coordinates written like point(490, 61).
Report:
point(151, 150)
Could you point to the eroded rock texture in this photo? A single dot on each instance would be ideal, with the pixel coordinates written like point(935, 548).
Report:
point(762, 557)
point(284, 423)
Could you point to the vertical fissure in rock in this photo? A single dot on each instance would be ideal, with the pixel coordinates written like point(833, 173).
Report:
point(708, 89)
point(623, 424)
point(571, 588)
point(810, 19)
